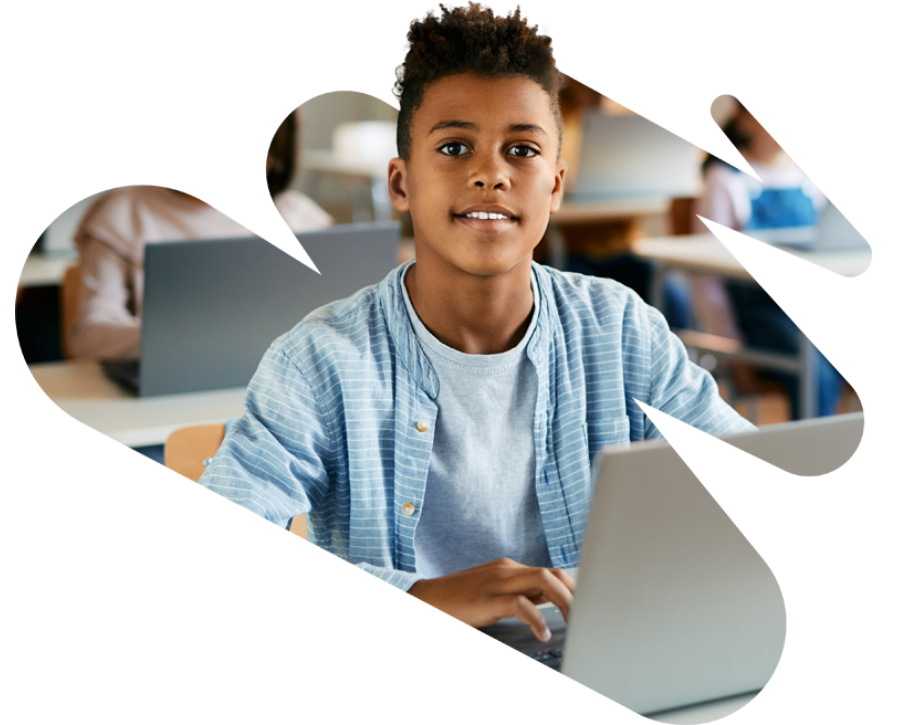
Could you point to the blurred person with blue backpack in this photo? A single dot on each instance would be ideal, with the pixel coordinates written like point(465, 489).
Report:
point(783, 195)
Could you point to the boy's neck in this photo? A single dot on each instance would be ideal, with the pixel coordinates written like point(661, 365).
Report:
point(475, 315)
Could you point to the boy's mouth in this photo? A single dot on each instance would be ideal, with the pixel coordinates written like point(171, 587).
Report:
point(484, 215)
point(486, 222)
point(487, 217)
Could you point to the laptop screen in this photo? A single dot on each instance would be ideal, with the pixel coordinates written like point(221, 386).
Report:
point(213, 307)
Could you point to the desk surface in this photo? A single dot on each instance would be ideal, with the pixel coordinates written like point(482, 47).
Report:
point(81, 389)
point(45, 269)
point(324, 160)
point(571, 212)
point(705, 253)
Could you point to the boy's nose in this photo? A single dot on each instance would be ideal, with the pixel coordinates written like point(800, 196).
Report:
point(489, 174)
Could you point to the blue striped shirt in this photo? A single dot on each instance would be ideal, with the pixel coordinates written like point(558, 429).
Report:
point(338, 419)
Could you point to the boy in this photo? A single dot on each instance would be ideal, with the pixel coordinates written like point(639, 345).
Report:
point(439, 427)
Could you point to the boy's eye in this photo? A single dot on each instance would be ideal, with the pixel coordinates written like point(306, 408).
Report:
point(527, 148)
point(520, 146)
point(452, 143)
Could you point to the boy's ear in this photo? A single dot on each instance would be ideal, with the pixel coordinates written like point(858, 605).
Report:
point(559, 184)
point(397, 184)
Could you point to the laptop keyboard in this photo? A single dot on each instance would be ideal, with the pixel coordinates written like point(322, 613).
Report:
point(552, 658)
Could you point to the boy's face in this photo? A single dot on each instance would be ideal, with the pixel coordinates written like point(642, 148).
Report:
point(480, 145)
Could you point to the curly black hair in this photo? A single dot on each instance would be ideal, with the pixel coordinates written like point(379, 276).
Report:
point(471, 40)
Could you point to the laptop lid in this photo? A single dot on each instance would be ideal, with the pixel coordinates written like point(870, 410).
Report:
point(213, 307)
point(627, 157)
point(836, 232)
point(674, 607)
point(833, 232)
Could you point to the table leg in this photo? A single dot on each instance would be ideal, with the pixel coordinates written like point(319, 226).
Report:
point(557, 243)
point(808, 379)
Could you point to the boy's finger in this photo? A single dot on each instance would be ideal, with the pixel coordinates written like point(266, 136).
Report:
point(519, 606)
point(534, 582)
point(565, 578)
point(558, 593)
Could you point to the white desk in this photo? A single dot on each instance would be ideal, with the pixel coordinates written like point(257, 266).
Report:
point(45, 269)
point(81, 389)
point(704, 254)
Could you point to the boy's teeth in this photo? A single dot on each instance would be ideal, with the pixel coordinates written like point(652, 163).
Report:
point(485, 215)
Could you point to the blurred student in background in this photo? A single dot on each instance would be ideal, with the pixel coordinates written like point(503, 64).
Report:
point(115, 229)
point(603, 249)
point(783, 197)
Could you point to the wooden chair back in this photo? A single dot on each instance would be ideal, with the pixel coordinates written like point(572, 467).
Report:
point(681, 215)
point(68, 300)
point(188, 451)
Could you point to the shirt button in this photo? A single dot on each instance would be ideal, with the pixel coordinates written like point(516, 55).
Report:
point(422, 425)
point(408, 509)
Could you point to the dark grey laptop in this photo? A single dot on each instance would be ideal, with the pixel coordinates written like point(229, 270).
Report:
point(629, 157)
point(213, 307)
point(674, 608)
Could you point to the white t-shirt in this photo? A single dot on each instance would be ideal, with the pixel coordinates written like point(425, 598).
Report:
point(111, 240)
point(480, 500)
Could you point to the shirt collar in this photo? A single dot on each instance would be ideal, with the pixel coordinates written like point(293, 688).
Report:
point(410, 355)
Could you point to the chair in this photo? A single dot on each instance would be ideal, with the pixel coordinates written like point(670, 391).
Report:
point(681, 215)
point(759, 400)
point(69, 301)
point(188, 450)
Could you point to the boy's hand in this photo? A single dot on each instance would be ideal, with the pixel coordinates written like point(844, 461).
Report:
point(503, 588)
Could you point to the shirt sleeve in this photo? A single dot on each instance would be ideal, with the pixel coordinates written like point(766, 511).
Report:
point(277, 460)
point(103, 327)
point(274, 459)
point(400, 579)
point(682, 389)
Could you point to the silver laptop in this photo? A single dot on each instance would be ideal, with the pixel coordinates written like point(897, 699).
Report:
point(213, 307)
point(832, 233)
point(628, 157)
point(675, 613)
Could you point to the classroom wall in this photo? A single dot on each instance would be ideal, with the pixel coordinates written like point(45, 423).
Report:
point(322, 113)
point(347, 199)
